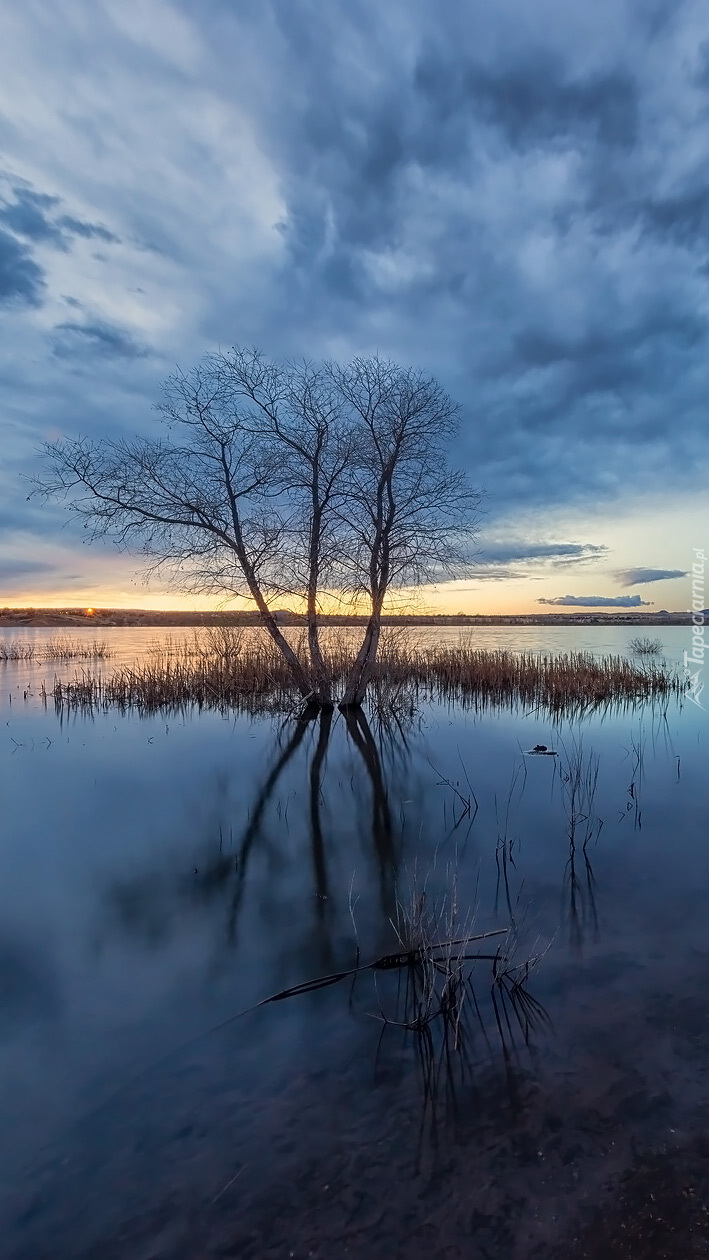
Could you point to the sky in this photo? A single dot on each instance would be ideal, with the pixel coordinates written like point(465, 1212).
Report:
point(512, 197)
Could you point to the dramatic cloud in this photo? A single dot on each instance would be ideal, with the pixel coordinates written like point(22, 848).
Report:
point(597, 601)
point(514, 198)
point(636, 577)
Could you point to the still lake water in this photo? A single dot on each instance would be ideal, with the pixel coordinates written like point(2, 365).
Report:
point(159, 875)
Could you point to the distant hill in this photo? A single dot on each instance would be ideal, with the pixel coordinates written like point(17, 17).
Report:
point(99, 617)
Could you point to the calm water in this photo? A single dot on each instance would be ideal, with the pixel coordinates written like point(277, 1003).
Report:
point(161, 875)
point(130, 643)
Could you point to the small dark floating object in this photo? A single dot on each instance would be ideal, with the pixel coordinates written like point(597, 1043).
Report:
point(541, 750)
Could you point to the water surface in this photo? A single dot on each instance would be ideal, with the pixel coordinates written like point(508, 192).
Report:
point(161, 875)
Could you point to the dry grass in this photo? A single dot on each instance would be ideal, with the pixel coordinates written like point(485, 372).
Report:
point(59, 648)
point(465, 673)
point(230, 668)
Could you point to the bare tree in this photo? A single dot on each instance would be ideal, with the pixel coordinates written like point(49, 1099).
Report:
point(284, 480)
point(409, 514)
point(199, 500)
point(298, 412)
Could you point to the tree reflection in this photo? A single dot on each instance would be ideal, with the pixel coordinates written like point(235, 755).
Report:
point(296, 732)
point(361, 737)
point(363, 740)
point(278, 884)
point(316, 830)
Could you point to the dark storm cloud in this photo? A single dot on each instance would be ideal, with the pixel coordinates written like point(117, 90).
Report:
point(355, 147)
point(21, 278)
point(28, 216)
point(597, 601)
point(636, 577)
point(609, 356)
point(600, 383)
point(352, 149)
point(90, 231)
point(535, 100)
point(418, 183)
point(33, 216)
point(74, 340)
point(682, 218)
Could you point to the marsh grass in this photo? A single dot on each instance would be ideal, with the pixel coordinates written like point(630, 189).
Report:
point(226, 643)
point(59, 648)
point(446, 987)
point(439, 946)
point(17, 650)
point(578, 772)
point(644, 646)
point(431, 988)
point(230, 668)
point(467, 673)
point(442, 987)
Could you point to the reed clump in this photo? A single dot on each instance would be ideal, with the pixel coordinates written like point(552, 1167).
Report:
point(16, 650)
point(578, 679)
point(59, 648)
point(229, 668)
point(644, 646)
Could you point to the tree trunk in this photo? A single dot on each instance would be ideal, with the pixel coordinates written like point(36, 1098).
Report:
point(300, 677)
point(363, 668)
point(321, 678)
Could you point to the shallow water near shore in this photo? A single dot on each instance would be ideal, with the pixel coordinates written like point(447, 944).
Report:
point(160, 875)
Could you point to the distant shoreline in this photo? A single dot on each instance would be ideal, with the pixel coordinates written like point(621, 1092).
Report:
point(136, 617)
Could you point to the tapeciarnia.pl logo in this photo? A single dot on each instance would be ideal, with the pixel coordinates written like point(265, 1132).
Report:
point(694, 664)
